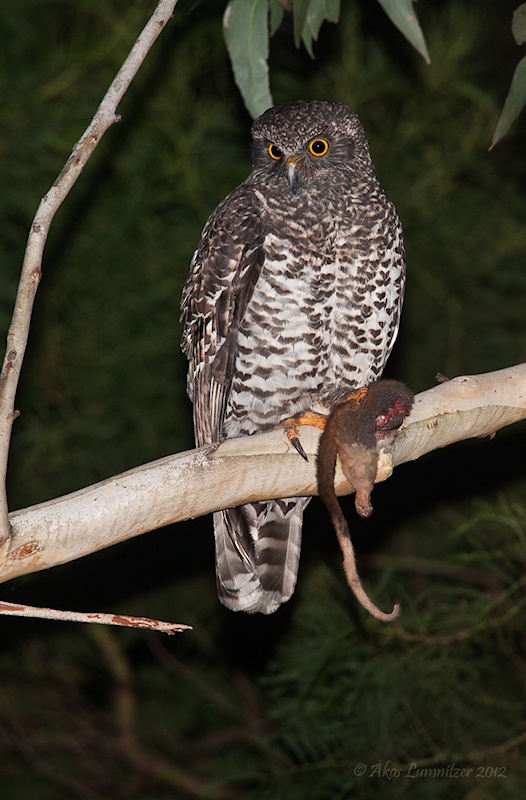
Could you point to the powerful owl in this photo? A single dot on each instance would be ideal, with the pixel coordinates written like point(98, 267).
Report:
point(294, 291)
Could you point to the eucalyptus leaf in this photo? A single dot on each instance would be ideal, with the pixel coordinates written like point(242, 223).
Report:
point(515, 102)
point(402, 14)
point(318, 11)
point(299, 11)
point(277, 11)
point(518, 24)
point(246, 33)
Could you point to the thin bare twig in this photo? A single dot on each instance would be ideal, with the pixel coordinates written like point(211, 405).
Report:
point(122, 620)
point(31, 273)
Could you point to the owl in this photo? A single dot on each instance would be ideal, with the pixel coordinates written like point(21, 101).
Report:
point(294, 291)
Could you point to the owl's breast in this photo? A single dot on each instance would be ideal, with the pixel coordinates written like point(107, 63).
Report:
point(322, 315)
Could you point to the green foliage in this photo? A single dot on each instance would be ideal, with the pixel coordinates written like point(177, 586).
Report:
point(516, 99)
point(245, 26)
point(288, 706)
point(344, 708)
point(403, 697)
point(249, 23)
point(309, 16)
point(403, 15)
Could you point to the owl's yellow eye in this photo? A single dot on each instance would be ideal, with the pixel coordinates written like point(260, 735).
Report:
point(318, 147)
point(274, 152)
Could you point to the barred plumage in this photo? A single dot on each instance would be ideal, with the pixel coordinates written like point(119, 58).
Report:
point(295, 290)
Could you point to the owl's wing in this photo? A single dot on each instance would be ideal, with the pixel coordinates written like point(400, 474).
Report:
point(223, 273)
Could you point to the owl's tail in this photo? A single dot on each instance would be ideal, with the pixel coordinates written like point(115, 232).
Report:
point(257, 554)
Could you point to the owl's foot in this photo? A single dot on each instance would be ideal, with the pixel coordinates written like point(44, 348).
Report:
point(315, 420)
point(356, 396)
point(292, 427)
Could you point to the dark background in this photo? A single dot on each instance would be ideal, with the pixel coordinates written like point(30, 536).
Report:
point(286, 706)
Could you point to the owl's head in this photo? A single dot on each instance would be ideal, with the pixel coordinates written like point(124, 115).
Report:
point(303, 141)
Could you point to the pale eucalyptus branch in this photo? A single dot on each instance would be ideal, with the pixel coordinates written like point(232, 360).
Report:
point(17, 337)
point(97, 617)
point(197, 482)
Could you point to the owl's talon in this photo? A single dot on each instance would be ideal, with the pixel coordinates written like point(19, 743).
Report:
point(292, 427)
point(295, 442)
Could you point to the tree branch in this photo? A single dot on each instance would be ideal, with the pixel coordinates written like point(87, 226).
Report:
point(197, 482)
point(31, 273)
point(122, 620)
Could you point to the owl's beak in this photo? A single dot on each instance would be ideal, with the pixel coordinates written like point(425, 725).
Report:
point(293, 166)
